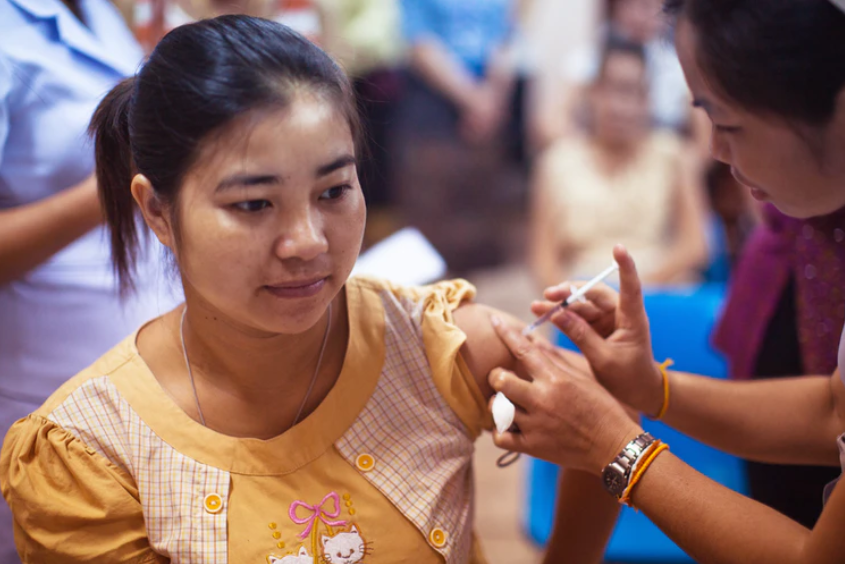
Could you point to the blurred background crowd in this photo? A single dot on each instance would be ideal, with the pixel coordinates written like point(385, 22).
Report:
point(507, 130)
point(522, 138)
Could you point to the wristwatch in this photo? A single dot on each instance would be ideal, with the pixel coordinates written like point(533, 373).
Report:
point(617, 475)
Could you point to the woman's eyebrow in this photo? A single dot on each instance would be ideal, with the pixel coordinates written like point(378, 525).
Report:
point(705, 105)
point(337, 164)
point(247, 180)
point(240, 180)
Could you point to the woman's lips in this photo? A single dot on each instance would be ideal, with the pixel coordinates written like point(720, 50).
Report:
point(302, 289)
point(759, 195)
point(756, 192)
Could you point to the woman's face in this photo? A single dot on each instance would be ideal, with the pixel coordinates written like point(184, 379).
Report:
point(794, 167)
point(620, 100)
point(271, 217)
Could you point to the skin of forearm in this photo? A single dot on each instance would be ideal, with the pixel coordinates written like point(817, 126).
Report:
point(31, 234)
point(445, 74)
point(783, 421)
point(716, 525)
point(584, 520)
point(501, 74)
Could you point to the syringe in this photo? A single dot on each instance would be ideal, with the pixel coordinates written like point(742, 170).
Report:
point(577, 295)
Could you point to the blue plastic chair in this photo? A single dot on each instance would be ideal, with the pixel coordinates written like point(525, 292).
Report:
point(681, 323)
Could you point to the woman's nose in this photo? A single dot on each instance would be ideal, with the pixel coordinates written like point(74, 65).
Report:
point(302, 238)
point(719, 147)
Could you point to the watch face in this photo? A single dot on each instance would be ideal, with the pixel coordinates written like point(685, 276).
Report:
point(614, 482)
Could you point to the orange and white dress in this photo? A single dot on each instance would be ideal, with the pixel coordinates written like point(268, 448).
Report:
point(110, 469)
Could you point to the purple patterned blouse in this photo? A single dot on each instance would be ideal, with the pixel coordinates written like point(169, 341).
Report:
point(813, 252)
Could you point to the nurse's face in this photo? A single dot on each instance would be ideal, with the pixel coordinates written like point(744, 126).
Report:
point(271, 218)
point(800, 169)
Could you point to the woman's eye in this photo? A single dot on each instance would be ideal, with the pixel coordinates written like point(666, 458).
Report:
point(335, 192)
point(252, 205)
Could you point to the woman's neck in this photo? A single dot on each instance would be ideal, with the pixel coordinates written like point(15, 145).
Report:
point(248, 384)
point(613, 155)
point(245, 361)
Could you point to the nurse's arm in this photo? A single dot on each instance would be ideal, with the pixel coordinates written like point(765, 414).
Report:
point(716, 525)
point(31, 234)
point(779, 421)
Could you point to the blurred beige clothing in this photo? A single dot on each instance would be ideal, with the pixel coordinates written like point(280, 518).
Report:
point(593, 209)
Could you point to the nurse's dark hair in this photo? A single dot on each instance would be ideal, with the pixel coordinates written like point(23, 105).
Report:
point(198, 79)
point(780, 57)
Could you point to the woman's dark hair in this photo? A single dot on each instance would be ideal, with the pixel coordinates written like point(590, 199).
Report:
point(615, 45)
point(783, 57)
point(198, 79)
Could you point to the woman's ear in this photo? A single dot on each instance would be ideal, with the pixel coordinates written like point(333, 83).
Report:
point(154, 211)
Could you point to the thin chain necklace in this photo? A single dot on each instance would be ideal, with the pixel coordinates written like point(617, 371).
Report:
point(307, 393)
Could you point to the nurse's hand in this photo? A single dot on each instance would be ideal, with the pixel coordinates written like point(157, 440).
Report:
point(612, 332)
point(563, 415)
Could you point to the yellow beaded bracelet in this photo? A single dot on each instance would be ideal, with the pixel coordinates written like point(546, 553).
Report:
point(663, 372)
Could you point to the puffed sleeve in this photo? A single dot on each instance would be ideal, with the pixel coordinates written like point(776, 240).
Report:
point(443, 340)
point(70, 503)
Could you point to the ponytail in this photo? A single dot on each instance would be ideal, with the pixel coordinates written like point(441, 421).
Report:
point(113, 152)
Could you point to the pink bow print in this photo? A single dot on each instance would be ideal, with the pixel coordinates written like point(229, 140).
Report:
point(317, 512)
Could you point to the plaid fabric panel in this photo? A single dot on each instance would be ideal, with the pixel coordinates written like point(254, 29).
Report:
point(173, 488)
point(422, 453)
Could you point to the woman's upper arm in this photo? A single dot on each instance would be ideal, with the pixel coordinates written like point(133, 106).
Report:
point(483, 350)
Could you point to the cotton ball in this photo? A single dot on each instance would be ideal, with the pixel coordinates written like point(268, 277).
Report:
point(503, 412)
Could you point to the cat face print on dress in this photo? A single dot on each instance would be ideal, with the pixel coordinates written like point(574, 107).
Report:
point(344, 547)
point(302, 558)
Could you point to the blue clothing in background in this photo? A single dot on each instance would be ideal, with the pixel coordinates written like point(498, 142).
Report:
point(470, 29)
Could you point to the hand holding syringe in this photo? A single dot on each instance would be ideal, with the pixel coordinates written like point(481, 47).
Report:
point(576, 295)
point(503, 409)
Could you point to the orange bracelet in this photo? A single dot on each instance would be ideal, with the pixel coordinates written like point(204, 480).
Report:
point(640, 469)
point(663, 372)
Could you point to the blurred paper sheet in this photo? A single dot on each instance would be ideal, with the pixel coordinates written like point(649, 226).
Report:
point(406, 258)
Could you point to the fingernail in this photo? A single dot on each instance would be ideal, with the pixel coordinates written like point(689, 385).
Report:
point(495, 320)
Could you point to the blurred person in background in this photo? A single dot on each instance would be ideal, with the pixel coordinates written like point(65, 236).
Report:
point(623, 182)
point(364, 36)
point(782, 317)
point(561, 109)
point(152, 19)
point(454, 177)
point(60, 307)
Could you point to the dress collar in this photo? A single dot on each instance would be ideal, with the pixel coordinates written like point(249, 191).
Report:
point(297, 447)
point(106, 39)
